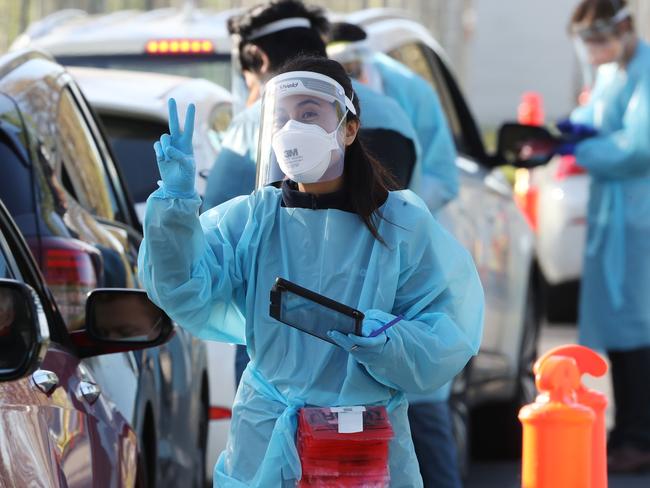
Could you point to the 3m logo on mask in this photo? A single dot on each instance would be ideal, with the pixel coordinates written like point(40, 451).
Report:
point(291, 153)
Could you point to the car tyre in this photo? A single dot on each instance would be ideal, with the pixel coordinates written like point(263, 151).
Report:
point(460, 422)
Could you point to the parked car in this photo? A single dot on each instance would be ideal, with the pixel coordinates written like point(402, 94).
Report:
point(133, 109)
point(180, 41)
point(484, 217)
point(554, 201)
point(63, 189)
point(58, 427)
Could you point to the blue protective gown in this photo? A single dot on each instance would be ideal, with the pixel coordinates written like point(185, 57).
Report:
point(234, 170)
point(436, 181)
point(208, 271)
point(615, 304)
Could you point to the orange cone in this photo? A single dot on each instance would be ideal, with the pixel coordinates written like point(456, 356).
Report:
point(589, 362)
point(557, 430)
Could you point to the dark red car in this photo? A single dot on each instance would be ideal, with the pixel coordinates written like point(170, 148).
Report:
point(57, 429)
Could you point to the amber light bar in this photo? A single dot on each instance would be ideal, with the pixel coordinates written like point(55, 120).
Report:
point(179, 46)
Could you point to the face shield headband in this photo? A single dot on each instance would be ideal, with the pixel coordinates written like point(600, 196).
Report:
point(302, 135)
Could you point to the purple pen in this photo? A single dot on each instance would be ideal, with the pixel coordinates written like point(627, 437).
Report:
point(375, 333)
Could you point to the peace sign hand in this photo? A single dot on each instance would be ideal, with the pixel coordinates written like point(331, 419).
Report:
point(174, 154)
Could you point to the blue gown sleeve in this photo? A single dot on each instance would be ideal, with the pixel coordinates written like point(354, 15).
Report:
point(441, 297)
point(194, 269)
point(626, 152)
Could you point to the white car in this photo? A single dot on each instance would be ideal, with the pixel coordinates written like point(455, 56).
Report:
point(484, 217)
point(133, 109)
point(185, 41)
point(554, 200)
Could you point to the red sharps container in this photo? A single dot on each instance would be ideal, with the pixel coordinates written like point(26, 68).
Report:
point(345, 447)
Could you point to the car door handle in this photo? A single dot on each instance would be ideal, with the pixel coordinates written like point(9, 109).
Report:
point(89, 391)
point(45, 380)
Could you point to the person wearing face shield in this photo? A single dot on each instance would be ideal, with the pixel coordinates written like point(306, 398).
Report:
point(266, 36)
point(614, 313)
point(436, 177)
point(323, 216)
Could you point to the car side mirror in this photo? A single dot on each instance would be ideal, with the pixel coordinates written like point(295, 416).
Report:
point(24, 332)
point(126, 317)
point(525, 146)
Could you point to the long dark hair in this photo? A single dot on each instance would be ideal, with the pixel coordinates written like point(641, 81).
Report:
point(365, 181)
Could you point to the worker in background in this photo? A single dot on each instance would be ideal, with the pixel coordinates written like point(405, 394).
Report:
point(614, 300)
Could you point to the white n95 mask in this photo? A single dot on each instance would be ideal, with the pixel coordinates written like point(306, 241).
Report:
point(305, 152)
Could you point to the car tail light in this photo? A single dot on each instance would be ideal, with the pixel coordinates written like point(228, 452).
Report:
point(71, 269)
point(526, 194)
point(220, 413)
point(568, 167)
point(179, 46)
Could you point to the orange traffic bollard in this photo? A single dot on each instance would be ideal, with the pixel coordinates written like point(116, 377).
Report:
point(589, 363)
point(557, 430)
point(531, 109)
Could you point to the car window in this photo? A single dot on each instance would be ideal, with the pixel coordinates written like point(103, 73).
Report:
point(417, 58)
point(82, 160)
point(426, 62)
point(412, 56)
point(215, 68)
point(5, 268)
point(15, 182)
point(132, 140)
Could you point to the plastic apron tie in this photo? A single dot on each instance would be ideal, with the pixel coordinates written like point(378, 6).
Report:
point(281, 460)
point(609, 234)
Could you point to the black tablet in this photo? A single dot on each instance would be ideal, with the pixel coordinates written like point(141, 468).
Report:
point(312, 313)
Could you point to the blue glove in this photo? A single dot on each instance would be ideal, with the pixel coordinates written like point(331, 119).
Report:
point(566, 149)
point(174, 155)
point(576, 132)
point(363, 348)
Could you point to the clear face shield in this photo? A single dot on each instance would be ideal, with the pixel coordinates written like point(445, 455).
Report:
point(356, 58)
point(601, 42)
point(303, 127)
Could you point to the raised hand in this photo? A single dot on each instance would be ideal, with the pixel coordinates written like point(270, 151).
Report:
point(175, 156)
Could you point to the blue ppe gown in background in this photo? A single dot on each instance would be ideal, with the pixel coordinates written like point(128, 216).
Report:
point(615, 304)
point(234, 170)
point(205, 272)
point(436, 180)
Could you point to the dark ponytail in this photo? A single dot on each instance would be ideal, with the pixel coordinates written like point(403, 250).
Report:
point(366, 182)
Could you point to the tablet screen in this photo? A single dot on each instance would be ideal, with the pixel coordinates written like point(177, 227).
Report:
point(313, 316)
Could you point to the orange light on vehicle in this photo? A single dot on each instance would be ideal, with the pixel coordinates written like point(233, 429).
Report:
point(179, 46)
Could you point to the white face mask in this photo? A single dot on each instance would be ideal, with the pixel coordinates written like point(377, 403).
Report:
point(304, 151)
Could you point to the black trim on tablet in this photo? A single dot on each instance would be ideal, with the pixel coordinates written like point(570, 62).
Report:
point(281, 285)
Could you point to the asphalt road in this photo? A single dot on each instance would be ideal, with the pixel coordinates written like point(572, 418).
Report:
point(508, 474)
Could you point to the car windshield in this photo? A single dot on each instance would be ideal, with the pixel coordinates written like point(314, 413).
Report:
point(215, 68)
point(132, 140)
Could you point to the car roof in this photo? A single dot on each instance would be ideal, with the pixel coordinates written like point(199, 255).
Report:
point(144, 94)
point(390, 28)
point(74, 32)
